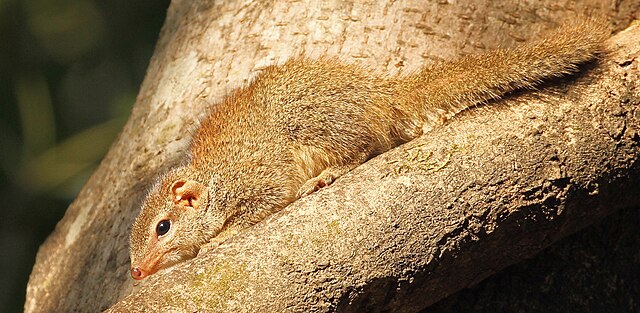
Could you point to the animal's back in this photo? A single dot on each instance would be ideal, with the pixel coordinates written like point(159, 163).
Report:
point(321, 110)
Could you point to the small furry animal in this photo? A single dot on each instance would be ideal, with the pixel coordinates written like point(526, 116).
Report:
point(299, 126)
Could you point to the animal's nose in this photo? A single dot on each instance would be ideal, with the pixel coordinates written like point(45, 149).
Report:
point(138, 273)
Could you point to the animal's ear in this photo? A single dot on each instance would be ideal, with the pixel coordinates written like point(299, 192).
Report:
point(190, 193)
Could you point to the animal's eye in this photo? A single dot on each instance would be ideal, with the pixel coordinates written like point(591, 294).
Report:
point(163, 227)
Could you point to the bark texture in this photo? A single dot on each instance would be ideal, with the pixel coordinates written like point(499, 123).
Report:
point(400, 232)
point(595, 270)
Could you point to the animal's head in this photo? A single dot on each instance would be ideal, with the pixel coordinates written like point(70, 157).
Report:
point(169, 228)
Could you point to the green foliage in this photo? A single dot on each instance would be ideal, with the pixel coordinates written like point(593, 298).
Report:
point(69, 74)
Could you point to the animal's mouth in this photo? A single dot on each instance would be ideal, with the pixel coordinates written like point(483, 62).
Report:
point(139, 272)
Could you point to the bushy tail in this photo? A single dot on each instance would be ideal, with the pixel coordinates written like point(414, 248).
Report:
point(448, 88)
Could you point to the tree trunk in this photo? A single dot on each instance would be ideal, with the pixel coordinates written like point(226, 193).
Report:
point(398, 233)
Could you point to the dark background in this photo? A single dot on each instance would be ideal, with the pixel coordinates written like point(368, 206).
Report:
point(69, 74)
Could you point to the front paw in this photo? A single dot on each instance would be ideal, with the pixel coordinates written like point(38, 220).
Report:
point(310, 186)
point(211, 245)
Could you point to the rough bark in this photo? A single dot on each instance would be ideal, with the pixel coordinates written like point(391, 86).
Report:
point(595, 270)
point(400, 232)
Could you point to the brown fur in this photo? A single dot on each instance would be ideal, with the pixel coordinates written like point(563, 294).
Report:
point(299, 126)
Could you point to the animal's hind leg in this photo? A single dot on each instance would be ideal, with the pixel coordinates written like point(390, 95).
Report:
point(328, 176)
point(324, 179)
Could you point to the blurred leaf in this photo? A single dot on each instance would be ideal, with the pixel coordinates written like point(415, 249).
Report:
point(36, 114)
point(71, 157)
point(66, 28)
